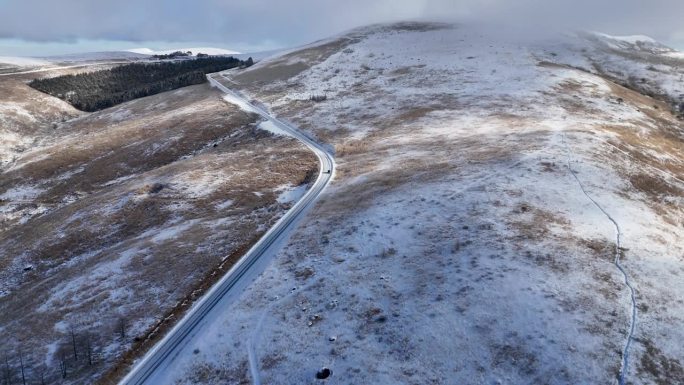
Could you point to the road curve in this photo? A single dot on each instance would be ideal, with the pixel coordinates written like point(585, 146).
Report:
point(159, 358)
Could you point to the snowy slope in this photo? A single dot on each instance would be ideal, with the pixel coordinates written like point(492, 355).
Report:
point(636, 62)
point(632, 42)
point(23, 61)
point(96, 56)
point(215, 180)
point(488, 194)
point(51, 61)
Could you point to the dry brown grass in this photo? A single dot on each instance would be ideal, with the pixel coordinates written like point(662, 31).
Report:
point(533, 223)
point(44, 110)
point(600, 248)
point(649, 149)
point(134, 170)
point(641, 147)
point(290, 65)
point(654, 187)
point(211, 373)
point(666, 137)
point(657, 366)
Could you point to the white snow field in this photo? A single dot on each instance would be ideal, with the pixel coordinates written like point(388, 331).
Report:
point(488, 193)
point(23, 61)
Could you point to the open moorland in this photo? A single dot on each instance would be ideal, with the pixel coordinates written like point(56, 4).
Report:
point(113, 222)
point(503, 212)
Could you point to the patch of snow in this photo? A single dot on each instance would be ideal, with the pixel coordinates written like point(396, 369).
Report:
point(68, 174)
point(159, 235)
point(239, 102)
point(96, 56)
point(675, 54)
point(16, 110)
point(269, 126)
point(224, 205)
point(51, 350)
point(117, 115)
point(291, 194)
point(24, 61)
point(23, 192)
point(632, 39)
point(105, 274)
point(9, 143)
point(197, 185)
point(119, 180)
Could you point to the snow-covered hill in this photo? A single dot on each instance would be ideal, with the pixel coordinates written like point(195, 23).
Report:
point(57, 60)
point(194, 50)
point(495, 203)
point(96, 56)
point(23, 61)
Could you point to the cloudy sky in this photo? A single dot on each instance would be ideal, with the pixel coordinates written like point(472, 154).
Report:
point(35, 27)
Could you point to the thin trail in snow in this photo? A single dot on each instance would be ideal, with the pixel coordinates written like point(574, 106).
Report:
point(618, 234)
point(256, 332)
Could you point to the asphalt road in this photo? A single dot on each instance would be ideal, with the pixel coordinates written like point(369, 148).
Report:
point(160, 358)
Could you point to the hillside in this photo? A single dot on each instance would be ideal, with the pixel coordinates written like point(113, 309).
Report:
point(112, 223)
point(97, 90)
point(496, 201)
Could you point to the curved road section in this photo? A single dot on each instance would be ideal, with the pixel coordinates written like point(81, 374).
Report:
point(159, 360)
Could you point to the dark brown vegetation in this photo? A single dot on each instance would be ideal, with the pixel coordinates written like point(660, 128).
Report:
point(111, 181)
point(663, 370)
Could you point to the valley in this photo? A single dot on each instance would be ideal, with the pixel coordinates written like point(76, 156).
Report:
point(501, 209)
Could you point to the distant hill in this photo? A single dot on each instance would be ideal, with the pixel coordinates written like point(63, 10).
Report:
point(195, 51)
point(93, 91)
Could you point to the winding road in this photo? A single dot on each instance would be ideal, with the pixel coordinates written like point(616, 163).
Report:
point(160, 358)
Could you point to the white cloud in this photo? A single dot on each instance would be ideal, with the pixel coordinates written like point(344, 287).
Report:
point(243, 22)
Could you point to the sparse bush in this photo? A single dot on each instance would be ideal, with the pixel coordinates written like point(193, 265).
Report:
point(318, 98)
point(155, 188)
point(304, 273)
point(172, 55)
point(388, 252)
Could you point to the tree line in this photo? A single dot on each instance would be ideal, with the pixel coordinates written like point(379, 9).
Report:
point(78, 353)
point(93, 91)
point(172, 55)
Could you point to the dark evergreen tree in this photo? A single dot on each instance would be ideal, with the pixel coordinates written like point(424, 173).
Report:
point(97, 90)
